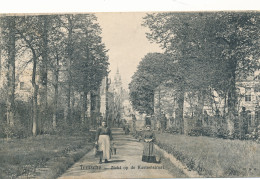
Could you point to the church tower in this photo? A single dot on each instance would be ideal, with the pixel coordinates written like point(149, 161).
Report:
point(118, 82)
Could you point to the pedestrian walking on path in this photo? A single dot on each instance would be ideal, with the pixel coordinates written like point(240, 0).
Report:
point(103, 138)
point(148, 152)
point(129, 155)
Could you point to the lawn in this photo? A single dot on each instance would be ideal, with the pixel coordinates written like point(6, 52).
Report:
point(213, 157)
point(44, 155)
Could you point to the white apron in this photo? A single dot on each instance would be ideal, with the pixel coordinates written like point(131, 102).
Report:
point(104, 145)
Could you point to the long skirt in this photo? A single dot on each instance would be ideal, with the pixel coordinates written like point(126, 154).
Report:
point(104, 145)
point(148, 153)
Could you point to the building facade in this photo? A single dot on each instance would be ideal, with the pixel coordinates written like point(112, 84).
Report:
point(248, 93)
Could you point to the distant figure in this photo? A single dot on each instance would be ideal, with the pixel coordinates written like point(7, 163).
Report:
point(217, 118)
point(126, 130)
point(170, 121)
point(231, 123)
point(134, 123)
point(99, 120)
point(148, 152)
point(244, 122)
point(158, 125)
point(206, 117)
point(257, 115)
point(147, 120)
point(103, 138)
point(163, 122)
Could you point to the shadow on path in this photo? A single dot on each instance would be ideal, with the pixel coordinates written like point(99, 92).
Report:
point(115, 161)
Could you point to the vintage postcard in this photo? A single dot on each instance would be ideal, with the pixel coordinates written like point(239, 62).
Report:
point(130, 95)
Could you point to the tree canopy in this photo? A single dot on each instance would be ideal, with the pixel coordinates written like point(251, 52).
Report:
point(151, 72)
point(212, 49)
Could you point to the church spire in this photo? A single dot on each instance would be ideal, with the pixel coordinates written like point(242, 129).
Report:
point(117, 81)
point(117, 70)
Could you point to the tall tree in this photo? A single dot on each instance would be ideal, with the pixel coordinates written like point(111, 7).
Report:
point(240, 34)
point(29, 32)
point(91, 61)
point(56, 49)
point(9, 37)
point(151, 72)
point(221, 45)
point(43, 70)
point(70, 24)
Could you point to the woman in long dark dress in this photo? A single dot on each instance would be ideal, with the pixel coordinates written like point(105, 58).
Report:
point(148, 152)
point(103, 138)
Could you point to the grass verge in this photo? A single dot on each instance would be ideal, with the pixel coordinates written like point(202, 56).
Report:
point(45, 155)
point(213, 157)
point(168, 165)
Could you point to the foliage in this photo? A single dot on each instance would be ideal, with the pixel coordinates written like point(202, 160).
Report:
point(213, 49)
point(201, 131)
point(69, 46)
point(150, 73)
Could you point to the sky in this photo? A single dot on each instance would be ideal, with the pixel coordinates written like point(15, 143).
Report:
point(125, 38)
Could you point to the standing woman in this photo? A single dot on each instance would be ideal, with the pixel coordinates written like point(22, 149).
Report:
point(148, 152)
point(103, 138)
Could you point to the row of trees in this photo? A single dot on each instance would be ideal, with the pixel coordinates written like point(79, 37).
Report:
point(203, 52)
point(65, 52)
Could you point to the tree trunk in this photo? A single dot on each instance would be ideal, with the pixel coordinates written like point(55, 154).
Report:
point(43, 76)
point(35, 94)
point(72, 112)
point(56, 93)
point(54, 116)
point(11, 71)
point(84, 107)
point(35, 128)
point(179, 111)
point(68, 107)
point(159, 100)
point(1, 60)
point(232, 97)
point(35, 87)
point(70, 53)
point(201, 97)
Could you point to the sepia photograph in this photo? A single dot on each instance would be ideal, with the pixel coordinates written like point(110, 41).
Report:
point(154, 94)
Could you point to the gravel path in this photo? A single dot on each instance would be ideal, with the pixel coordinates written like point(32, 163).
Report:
point(125, 164)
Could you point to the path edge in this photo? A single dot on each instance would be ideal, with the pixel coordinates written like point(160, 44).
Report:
point(178, 164)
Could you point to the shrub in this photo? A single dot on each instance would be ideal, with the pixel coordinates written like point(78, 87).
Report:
point(199, 131)
point(254, 135)
point(195, 131)
point(7, 130)
point(173, 130)
point(207, 131)
point(20, 131)
point(223, 133)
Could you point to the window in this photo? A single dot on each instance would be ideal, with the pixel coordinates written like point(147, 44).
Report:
point(22, 87)
point(257, 116)
point(248, 90)
point(257, 89)
point(248, 97)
